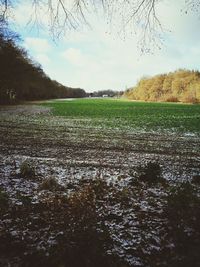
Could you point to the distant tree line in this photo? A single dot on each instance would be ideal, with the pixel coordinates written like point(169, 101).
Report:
point(181, 85)
point(23, 79)
point(109, 93)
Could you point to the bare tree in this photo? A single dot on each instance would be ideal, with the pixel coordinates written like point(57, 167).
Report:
point(130, 15)
point(193, 5)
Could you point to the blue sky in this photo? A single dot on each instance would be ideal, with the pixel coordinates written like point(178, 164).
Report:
point(97, 58)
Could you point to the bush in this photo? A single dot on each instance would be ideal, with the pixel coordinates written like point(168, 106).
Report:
point(171, 99)
point(50, 184)
point(151, 173)
point(190, 99)
point(27, 170)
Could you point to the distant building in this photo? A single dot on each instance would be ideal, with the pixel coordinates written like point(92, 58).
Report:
point(90, 94)
point(104, 95)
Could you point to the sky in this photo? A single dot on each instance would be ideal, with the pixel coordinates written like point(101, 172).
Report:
point(97, 58)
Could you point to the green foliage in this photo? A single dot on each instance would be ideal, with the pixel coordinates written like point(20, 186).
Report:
point(27, 170)
point(181, 85)
point(127, 114)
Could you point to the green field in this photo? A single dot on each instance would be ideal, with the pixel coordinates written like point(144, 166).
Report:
point(182, 118)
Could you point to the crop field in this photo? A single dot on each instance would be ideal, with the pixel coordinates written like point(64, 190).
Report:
point(170, 117)
point(100, 182)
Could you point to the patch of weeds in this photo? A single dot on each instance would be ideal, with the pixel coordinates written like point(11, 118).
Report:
point(123, 196)
point(50, 184)
point(134, 181)
point(100, 187)
point(71, 186)
point(27, 170)
point(78, 237)
point(26, 200)
point(151, 173)
point(4, 200)
point(86, 234)
point(132, 172)
point(82, 204)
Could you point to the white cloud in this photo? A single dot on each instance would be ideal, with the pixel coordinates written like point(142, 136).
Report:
point(39, 45)
point(75, 57)
point(43, 59)
point(22, 13)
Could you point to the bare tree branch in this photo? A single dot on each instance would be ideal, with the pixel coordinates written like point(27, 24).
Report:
point(64, 15)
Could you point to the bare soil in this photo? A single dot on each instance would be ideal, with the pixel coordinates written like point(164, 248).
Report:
point(74, 152)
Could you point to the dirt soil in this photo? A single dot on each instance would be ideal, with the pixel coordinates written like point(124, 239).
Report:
point(72, 151)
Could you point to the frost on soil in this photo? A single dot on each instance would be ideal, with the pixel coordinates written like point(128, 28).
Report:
point(102, 206)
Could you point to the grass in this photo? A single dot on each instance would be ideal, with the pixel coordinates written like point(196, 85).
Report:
point(122, 114)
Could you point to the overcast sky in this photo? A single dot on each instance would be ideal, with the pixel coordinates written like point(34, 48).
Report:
point(96, 59)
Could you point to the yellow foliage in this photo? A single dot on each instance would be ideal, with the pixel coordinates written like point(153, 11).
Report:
point(181, 85)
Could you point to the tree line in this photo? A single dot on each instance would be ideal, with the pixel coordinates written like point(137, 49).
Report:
point(21, 78)
point(181, 85)
point(109, 93)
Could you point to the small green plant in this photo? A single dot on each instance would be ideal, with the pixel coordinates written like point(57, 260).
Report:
point(50, 184)
point(27, 170)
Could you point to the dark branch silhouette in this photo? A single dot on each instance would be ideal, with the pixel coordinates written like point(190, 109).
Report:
point(138, 16)
point(64, 15)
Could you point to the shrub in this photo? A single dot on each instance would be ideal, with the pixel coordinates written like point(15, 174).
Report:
point(50, 184)
point(99, 187)
point(171, 99)
point(190, 99)
point(151, 173)
point(27, 170)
